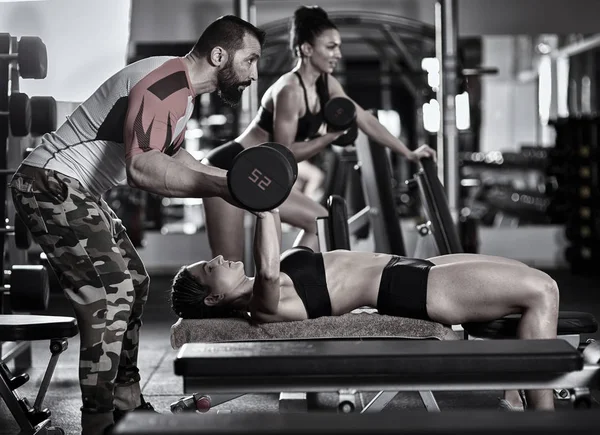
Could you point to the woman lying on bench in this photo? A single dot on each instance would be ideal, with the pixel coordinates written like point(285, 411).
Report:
point(301, 284)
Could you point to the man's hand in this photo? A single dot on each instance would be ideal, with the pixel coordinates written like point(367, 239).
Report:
point(422, 152)
point(263, 214)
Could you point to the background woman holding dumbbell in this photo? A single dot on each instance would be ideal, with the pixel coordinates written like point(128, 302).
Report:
point(292, 113)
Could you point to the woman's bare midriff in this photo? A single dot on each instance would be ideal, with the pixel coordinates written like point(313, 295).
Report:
point(352, 279)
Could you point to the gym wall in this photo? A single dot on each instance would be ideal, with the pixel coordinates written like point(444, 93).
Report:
point(156, 20)
point(86, 42)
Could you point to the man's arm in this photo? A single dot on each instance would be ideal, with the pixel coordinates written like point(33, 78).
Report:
point(266, 258)
point(185, 158)
point(158, 173)
point(285, 126)
point(375, 130)
point(148, 133)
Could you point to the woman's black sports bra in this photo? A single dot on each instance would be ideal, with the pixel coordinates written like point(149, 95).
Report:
point(309, 124)
point(307, 272)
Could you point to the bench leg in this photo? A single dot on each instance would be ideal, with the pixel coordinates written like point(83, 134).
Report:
point(57, 347)
point(12, 400)
point(292, 402)
point(429, 401)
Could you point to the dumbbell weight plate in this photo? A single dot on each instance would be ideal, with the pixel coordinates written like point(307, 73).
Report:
point(349, 137)
point(29, 289)
point(32, 58)
point(43, 115)
point(19, 113)
point(22, 234)
point(260, 178)
point(340, 113)
point(288, 154)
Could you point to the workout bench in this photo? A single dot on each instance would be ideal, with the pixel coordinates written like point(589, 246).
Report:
point(33, 419)
point(571, 324)
point(400, 423)
point(376, 177)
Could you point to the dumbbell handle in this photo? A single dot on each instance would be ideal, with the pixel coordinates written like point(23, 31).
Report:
point(9, 171)
point(7, 274)
point(7, 230)
point(9, 57)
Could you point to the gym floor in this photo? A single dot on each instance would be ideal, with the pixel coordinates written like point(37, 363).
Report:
point(161, 387)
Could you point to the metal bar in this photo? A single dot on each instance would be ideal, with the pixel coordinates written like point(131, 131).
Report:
point(589, 376)
point(446, 24)
point(358, 220)
point(578, 47)
point(393, 72)
point(15, 350)
point(323, 234)
point(371, 193)
point(246, 10)
point(46, 381)
point(379, 402)
point(400, 47)
point(6, 44)
point(13, 405)
point(429, 401)
point(218, 399)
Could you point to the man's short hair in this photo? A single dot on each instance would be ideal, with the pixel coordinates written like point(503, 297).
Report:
point(228, 32)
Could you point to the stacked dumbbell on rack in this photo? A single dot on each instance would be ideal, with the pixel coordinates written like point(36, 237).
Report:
point(577, 189)
point(25, 286)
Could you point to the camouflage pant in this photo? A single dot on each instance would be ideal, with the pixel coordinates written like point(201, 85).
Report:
point(99, 270)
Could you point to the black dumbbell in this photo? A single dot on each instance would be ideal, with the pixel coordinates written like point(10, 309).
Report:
point(20, 231)
point(340, 115)
point(262, 177)
point(19, 114)
point(43, 115)
point(29, 287)
point(31, 57)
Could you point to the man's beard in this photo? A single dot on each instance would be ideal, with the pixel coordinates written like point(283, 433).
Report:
point(229, 84)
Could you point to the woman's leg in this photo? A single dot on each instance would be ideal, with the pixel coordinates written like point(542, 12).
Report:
point(462, 258)
point(311, 177)
point(301, 212)
point(511, 396)
point(225, 228)
point(484, 290)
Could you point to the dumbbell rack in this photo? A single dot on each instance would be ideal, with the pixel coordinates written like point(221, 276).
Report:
point(577, 155)
point(32, 63)
point(5, 75)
